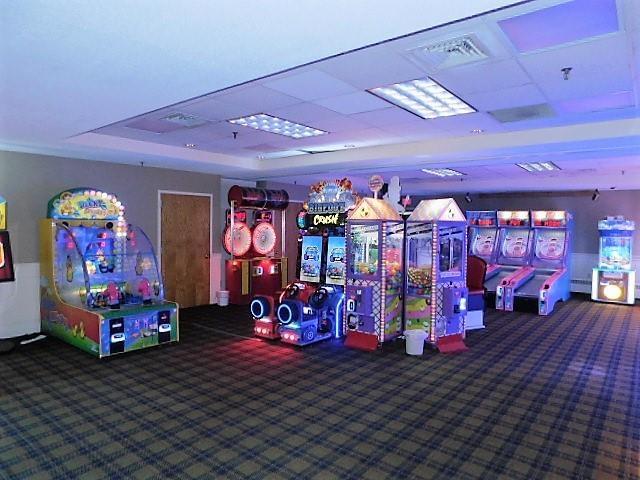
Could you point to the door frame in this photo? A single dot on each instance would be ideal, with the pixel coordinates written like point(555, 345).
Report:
point(159, 233)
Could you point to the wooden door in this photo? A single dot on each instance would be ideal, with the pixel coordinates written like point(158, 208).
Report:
point(186, 248)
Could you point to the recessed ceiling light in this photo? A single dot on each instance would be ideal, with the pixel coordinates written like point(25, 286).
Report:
point(424, 98)
point(190, 145)
point(268, 123)
point(538, 167)
point(349, 145)
point(477, 131)
point(442, 172)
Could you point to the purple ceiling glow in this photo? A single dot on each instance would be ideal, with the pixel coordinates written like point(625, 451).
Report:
point(564, 23)
point(596, 104)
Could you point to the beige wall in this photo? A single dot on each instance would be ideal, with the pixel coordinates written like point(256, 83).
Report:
point(28, 182)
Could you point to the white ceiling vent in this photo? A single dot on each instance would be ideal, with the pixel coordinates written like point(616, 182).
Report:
point(518, 114)
point(450, 53)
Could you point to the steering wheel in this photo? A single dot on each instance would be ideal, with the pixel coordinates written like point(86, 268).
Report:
point(293, 290)
point(319, 297)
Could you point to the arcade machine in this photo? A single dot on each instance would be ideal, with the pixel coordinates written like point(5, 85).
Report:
point(101, 289)
point(253, 269)
point(321, 267)
point(7, 273)
point(483, 236)
point(547, 280)
point(515, 239)
point(614, 279)
point(436, 288)
point(375, 238)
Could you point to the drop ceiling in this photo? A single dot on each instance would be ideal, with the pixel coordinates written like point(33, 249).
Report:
point(132, 79)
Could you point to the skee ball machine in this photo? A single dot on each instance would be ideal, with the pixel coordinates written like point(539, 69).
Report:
point(253, 268)
point(101, 289)
point(483, 238)
point(375, 238)
point(436, 284)
point(321, 267)
point(614, 279)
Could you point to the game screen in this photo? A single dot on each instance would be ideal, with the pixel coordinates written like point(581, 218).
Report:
point(311, 258)
point(550, 245)
point(615, 252)
point(364, 249)
point(515, 243)
point(483, 242)
point(6, 259)
point(336, 261)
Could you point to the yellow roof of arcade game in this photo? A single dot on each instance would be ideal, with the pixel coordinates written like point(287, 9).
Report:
point(374, 209)
point(437, 210)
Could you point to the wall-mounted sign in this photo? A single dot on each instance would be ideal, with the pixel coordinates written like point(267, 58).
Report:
point(327, 207)
point(85, 203)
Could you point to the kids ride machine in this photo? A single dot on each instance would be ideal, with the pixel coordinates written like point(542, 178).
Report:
point(101, 290)
point(312, 309)
point(547, 279)
point(375, 238)
point(435, 288)
point(254, 268)
point(614, 279)
point(515, 239)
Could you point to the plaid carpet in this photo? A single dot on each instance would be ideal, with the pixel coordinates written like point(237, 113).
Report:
point(535, 397)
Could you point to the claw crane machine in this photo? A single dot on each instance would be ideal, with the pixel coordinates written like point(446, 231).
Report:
point(375, 238)
point(436, 285)
point(101, 288)
point(614, 279)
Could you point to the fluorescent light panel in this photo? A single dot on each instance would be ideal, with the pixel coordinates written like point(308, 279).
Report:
point(279, 126)
point(538, 167)
point(442, 172)
point(424, 98)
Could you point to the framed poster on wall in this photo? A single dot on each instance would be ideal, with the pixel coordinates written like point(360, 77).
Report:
point(6, 259)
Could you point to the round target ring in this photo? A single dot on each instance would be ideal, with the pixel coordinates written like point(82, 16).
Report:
point(264, 238)
point(241, 239)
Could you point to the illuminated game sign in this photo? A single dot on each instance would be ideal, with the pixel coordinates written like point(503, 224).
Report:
point(3, 214)
point(319, 220)
point(85, 203)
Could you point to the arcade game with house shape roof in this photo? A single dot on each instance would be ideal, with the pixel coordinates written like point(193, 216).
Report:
point(375, 237)
point(101, 289)
point(614, 279)
point(547, 279)
point(436, 285)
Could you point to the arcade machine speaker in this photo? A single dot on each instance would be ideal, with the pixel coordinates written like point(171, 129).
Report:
point(264, 314)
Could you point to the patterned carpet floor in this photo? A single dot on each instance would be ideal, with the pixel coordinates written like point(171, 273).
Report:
point(535, 397)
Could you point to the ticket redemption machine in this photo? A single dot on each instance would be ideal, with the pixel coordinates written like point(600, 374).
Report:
point(547, 279)
point(321, 268)
point(101, 289)
point(483, 238)
point(515, 240)
point(375, 238)
point(614, 279)
point(253, 269)
point(436, 284)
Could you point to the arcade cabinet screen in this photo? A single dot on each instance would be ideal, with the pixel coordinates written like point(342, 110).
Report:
point(336, 261)
point(6, 259)
point(364, 250)
point(311, 257)
point(515, 243)
point(550, 245)
point(483, 242)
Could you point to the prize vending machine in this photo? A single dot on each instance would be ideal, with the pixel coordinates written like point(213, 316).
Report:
point(483, 238)
point(101, 289)
point(321, 267)
point(614, 279)
point(436, 284)
point(253, 268)
point(375, 239)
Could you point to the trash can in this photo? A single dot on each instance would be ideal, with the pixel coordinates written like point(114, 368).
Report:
point(414, 341)
point(223, 298)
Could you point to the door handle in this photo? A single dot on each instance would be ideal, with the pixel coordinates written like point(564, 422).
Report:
point(207, 256)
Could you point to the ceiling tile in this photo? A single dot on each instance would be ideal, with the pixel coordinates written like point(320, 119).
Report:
point(353, 103)
point(257, 98)
point(597, 103)
point(586, 85)
point(371, 67)
point(310, 85)
point(215, 110)
point(482, 77)
point(527, 94)
point(387, 116)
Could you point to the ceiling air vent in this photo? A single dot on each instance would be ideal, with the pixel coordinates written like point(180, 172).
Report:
point(518, 114)
point(184, 120)
point(450, 53)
